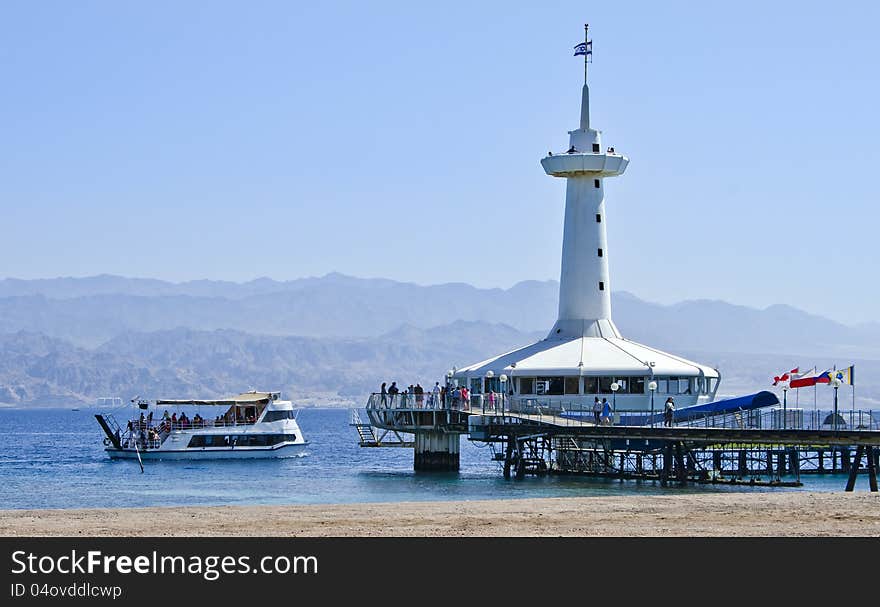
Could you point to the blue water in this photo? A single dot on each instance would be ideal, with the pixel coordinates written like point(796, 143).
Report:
point(54, 458)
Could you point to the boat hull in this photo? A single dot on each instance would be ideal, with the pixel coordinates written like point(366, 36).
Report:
point(206, 453)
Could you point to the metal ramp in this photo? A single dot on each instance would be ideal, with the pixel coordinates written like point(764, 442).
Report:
point(369, 436)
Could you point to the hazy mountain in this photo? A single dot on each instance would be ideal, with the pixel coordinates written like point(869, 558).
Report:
point(334, 338)
point(334, 305)
point(91, 311)
point(35, 369)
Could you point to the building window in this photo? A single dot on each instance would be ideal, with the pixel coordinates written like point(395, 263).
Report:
point(598, 218)
point(572, 385)
point(526, 385)
point(636, 385)
point(596, 148)
point(596, 182)
point(591, 385)
point(601, 286)
point(550, 386)
point(600, 252)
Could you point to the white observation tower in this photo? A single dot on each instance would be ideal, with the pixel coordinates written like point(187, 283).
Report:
point(584, 285)
point(585, 356)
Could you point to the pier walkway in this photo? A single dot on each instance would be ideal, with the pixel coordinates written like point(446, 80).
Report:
point(538, 440)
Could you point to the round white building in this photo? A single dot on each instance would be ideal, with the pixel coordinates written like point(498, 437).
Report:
point(585, 356)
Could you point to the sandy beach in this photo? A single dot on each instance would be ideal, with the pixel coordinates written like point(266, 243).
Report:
point(729, 514)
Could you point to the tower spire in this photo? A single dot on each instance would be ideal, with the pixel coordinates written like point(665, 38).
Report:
point(587, 52)
point(587, 47)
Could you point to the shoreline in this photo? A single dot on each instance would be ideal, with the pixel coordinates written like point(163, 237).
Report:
point(797, 514)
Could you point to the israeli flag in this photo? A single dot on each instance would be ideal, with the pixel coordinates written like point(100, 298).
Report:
point(584, 48)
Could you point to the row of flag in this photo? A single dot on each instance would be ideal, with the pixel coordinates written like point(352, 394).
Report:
point(796, 379)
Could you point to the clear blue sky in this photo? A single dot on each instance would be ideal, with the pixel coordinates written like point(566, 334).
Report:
point(237, 140)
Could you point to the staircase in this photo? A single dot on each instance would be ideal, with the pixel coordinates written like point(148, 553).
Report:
point(366, 432)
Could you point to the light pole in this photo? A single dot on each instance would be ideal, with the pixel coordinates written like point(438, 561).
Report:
point(835, 383)
point(449, 375)
point(784, 407)
point(488, 384)
point(652, 386)
point(614, 388)
point(503, 379)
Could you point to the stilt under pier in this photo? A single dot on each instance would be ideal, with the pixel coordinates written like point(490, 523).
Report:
point(436, 452)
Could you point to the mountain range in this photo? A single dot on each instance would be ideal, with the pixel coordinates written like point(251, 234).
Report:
point(332, 339)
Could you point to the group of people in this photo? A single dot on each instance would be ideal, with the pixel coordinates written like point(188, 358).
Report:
point(412, 396)
point(604, 416)
point(602, 413)
point(438, 397)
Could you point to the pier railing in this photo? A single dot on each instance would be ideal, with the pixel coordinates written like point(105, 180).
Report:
point(776, 417)
point(574, 413)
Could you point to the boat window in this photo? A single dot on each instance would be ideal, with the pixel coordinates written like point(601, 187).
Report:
point(596, 183)
point(605, 385)
point(572, 385)
point(274, 416)
point(526, 385)
point(596, 149)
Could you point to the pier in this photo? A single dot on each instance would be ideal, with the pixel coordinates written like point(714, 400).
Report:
point(736, 448)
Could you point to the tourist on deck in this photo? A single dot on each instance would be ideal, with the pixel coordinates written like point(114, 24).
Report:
point(174, 420)
point(668, 412)
point(393, 390)
point(456, 397)
point(466, 398)
point(435, 395)
point(384, 394)
point(597, 411)
point(491, 400)
point(607, 415)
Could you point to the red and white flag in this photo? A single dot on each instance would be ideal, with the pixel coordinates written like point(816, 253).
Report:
point(806, 379)
point(785, 377)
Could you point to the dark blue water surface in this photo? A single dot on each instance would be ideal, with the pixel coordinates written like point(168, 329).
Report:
point(54, 458)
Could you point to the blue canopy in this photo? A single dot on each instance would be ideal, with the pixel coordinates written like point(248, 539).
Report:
point(718, 407)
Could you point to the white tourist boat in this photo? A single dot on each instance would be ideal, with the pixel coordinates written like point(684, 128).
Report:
point(252, 425)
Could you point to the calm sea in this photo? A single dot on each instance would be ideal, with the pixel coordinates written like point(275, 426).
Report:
point(54, 458)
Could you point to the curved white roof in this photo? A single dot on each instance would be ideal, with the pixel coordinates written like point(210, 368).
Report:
point(588, 356)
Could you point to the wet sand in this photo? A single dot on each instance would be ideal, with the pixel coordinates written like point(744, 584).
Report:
point(729, 514)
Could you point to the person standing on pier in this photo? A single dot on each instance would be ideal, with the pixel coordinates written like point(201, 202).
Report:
point(384, 395)
point(668, 412)
point(597, 411)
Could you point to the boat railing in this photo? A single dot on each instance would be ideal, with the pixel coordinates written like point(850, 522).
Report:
point(169, 425)
point(150, 434)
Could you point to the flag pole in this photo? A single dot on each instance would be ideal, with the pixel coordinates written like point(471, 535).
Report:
point(586, 48)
